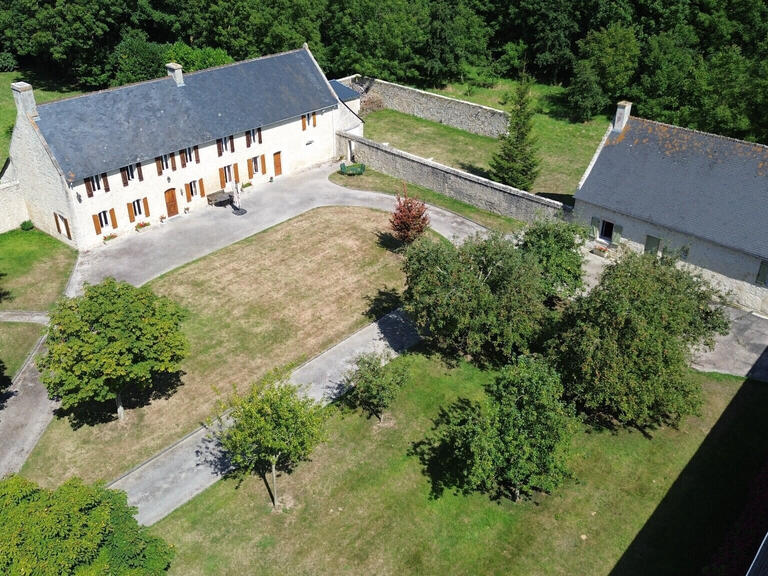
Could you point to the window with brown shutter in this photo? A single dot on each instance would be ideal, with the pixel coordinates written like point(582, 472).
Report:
point(250, 168)
point(113, 217)
point(231, 143)
point(182, 157)
point(237, 173)
point(159, 164)
point(258, 134)
point(303, 122)
point(197, 155)
point(56, 219)
point(146, 207)
point(220, 146)
point(66, 227)
point(105, 181)
point(248, 138)
point(173, 161)
point(88, 187)
point(139, 172)
point(96, 224)
point(314, 119)
point(263, 164)
point(188, 192)
point(222, 178)
point(131, 215)
point(201, 188)
point(124, 176)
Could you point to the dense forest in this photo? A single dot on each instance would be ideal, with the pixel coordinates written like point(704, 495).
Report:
point(697, 63)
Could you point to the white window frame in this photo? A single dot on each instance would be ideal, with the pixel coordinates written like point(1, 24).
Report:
point(601, 234)
point(252, 134)
point(193, 188)
point(255, 165)
point(165, 159)
point(104, 221)
point(228, 174)
point(95, 182)
point(130, 172)
point(189, 155)
point(225, 143)
point(137, 207)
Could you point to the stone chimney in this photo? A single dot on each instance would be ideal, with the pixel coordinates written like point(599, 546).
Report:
point(24, 98)
point(623, 109)
point(174, 70)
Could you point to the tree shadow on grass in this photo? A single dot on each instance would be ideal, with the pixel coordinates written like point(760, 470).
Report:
point(387, 241)
point(566, 199)
point(5, 295)
point(476, 170)
point(5, 384)
point(93, 412)
point(383, 302)
point(713, 518)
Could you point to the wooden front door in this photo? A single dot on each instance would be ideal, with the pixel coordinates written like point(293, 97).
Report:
point(278, 164)
point(170, 202)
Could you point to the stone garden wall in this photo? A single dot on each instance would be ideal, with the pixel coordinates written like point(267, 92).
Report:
point(13, 209)
point(451, 182)
point(450, 111)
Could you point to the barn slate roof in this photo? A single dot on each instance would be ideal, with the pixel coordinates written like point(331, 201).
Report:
point(345, 93)
point(107, 130)
point(699, 184)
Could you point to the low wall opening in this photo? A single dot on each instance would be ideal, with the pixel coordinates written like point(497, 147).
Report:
point(457, 184)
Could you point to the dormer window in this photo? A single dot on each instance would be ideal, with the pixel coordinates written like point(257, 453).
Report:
point(309, 119)
point(225, 145)
point(97, 182)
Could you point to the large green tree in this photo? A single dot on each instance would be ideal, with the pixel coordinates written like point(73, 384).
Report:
point(74, 530)
point(516, 163)
point(113, 342)
point(514, 442)
point(485, 298)
point(373, 384)
point(271, 428)
point(556, 246)
point(624, 348)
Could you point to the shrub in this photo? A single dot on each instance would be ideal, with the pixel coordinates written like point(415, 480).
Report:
point(373, 384)
point(556, 246)
point(410, 219)
point(624, 348)
point(7, 62)
point(27, 225)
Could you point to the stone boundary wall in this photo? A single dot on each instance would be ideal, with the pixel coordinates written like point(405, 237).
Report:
point(449, 111)
point(13, 208)
point(462, 186)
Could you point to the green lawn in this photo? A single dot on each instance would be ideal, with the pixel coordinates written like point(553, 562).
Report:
point(378, 182)
point(34, 269)
point(565, 147)
point(46, 89)
point(362, 505)
point(16, 340)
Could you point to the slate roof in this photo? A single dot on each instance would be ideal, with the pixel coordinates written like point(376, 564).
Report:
point(699, 184)
point(345, 93)
point(107, 130)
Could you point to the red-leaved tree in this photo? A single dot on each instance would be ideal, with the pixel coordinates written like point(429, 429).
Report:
point(410, 219)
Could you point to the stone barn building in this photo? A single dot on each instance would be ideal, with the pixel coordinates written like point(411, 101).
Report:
point(654, 187)
point(86, 167)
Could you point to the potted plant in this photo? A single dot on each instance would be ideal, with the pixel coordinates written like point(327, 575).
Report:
point(600, 250)
point(186, 209)
point(109, 237)
point(162, 219)
point(141, 226)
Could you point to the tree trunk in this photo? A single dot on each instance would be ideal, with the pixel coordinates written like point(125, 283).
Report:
point(120, 411)
point(274, 485)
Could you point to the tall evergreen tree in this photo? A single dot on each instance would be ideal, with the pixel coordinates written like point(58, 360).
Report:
point(517, 161)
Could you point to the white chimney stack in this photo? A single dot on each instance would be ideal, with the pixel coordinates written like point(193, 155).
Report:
point(24, 98)
point(623, 109)
point(174, 71)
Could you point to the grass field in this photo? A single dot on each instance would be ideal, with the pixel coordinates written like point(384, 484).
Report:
point(46, 89)
point(363, 505)
point(34, 269)
point(276, 298)
point(16, 340)
point(378, 182)
point(565, 147)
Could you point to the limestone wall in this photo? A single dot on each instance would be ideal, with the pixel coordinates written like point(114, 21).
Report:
point(13, 209)
point(730, 270)
point(450, 111)
point(451, 182)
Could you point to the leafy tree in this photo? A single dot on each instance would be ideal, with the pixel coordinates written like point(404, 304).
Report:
point(373, 384)
point(485, 299)
point(513, 443)
point(410, 219)
point(517, 163)
point(550, 29)
point(193, 58)
point(272, 428)
point(614, 53)
point(624, 348)
point(136, 59)
point(74, 529)
point(556, 246)
point(585, 95)
point(113, 342)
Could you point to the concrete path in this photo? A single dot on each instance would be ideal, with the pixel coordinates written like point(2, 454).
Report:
point(179, 473)
point(138, 258)
point(25, 416)
point(24, 316)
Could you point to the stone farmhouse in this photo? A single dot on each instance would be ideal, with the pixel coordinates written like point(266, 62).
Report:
point(85, 167)
point(654, 187)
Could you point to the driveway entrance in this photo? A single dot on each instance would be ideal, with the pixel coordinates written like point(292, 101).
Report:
point(170, 202)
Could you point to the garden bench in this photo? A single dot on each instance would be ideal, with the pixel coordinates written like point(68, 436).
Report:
point(219, 198)
point(352, 169)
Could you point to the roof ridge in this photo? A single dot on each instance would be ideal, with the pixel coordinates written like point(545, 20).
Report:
point(166, 77)
point(695, 131)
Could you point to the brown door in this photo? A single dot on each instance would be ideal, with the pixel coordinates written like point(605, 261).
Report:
point(170, 202)
point(278, 164)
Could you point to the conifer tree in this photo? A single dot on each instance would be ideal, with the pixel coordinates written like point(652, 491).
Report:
point(517, 162)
